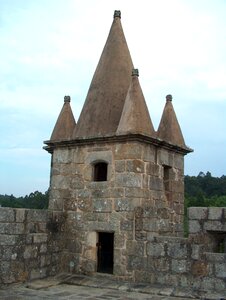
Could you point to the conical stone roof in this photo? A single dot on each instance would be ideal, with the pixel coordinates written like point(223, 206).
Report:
point(65, 123)
point(169, 128)
point(104, 103)
point(135, 117)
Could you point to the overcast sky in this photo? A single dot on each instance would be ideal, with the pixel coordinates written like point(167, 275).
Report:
point(50, 48)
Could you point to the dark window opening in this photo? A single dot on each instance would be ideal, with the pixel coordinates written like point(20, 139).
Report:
point(217, 241)
point(167, 181)
point(100, 171)
point(105, 252)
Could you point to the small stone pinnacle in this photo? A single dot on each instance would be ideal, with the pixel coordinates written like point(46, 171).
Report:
point(67, 98)
point(169, 98)
point(117, 14)
point(135, 72)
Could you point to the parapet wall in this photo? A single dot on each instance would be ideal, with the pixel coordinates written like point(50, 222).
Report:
point(28, 249)
point(36, 243)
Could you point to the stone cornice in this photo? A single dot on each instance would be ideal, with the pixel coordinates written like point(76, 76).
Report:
point(51, 145)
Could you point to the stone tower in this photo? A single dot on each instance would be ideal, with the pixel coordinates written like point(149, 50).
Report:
point(118, 181)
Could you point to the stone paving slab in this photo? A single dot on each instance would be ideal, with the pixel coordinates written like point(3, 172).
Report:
point(78, 287)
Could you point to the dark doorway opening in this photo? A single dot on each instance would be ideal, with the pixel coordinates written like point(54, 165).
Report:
point(105, 252)
point(100, 171)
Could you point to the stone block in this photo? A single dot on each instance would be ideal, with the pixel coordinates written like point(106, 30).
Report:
point(126, 204)
point(158, 264)
point(165, 157)
point(149, 153)
point(120, 166)
point(85, 204)
point(194, 226)
point(62, 156)
point(195, 251)
point(43, 248)
point(60, 182)
point(40, 238)
point(153, 169)
point(128, 180)
point(155, 249)
point(215, 213)
point(7, 214)
point(77, 182)
point(136, 193)
point(78, 155)
point(140, 235)
point(178, 161)
point(150, 225)
point(135, 248)
point(20, 214)
point(215, 257)
point(179, 266)
point(155, 183)
point(7, 240)
point(38, 273)
point(102, 205)
point(100, 154)
point(135, 165)
point(37, 215)
point(12, 228)
point(177, 250)
point(31, 251)
point(136, 263)
point(128, 151)
point(199, 268)
point(197, 213)
point(126, 225)
point(220, 270)
point(213, 225)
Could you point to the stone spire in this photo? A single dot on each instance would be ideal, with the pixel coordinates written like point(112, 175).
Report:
point(169, 128)
point(135, 116)
point(65, 123)
point(104, 103)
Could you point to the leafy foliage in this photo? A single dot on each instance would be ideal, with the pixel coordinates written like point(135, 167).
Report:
point(36, 200)
point(205, 190)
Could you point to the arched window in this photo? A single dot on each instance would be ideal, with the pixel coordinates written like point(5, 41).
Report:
point(100, 171)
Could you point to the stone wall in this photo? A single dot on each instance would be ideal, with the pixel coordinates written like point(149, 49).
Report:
point(135, 179)
point(135, 202)
point(28, 249)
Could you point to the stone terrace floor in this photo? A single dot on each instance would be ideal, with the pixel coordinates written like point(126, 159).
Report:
point(99, 287)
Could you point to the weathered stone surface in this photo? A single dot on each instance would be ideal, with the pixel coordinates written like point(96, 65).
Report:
point(135, 248)
point(136, 263)
point(177, 250)
point(135, 165)
point(213, 225)
point(155, 249)
point(20, 215)
point(199, 213)
point(128, 151)
point(62, 156)
point(155, 183)
point(12, 228)
point(7, 215)
point(40, 237)
point(120, 166)
point(8, 240)
point(215, 213)
point(194, 226)
point(102, 205)
point(37, 215)
point(128, 180)
point(220, 269)
point(154, 170)
point(179, 266)
point(199, 268)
